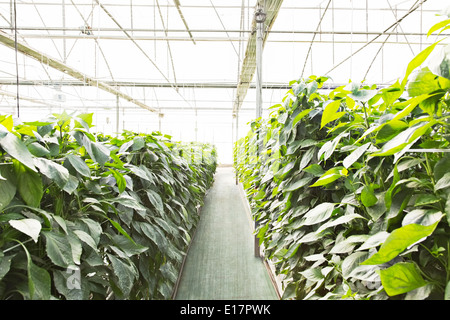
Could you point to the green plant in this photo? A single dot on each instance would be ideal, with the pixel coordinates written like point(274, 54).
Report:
point(350, 188)
point(90, 216)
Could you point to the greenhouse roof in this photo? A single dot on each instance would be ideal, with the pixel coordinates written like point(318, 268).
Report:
point(186, 67)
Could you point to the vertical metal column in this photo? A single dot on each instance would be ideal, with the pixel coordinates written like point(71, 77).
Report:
point(117, 116)
point(260, 17)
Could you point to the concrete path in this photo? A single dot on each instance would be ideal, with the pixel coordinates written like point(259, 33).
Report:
point(221, 264)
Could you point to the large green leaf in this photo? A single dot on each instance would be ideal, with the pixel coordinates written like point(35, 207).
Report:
point(39, 281)
point(155, 200)
point(355, 155)
point(330, 113)
point(79, 165)
point(319, 214)
point(368, 197)
point(7, 185)
point(31, 227)
point(125, 274)
point(422, 83)
point(330, 176)
point(399, 240)
point(341, 220)
point(404, 138)
point(16, 148)
point(53, 171)
point(120, 180)
point(443, 182)
point(296, 184)
point(401, 278)
point(440, 64)
point(29, 184)
point(417, 61)
point(58, 249)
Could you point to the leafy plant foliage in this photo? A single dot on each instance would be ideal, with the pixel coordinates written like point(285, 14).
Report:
point(90, 216)
point(350, 188)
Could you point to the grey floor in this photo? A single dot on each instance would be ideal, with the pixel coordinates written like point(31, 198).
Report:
point(221, 264)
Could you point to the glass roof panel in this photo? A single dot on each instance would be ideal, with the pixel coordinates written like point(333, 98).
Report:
point(184, 58)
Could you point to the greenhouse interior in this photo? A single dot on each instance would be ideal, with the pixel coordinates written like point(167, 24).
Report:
point(224, 150)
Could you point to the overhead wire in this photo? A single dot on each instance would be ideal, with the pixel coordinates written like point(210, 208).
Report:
point(174, 86)
point(388, 36)
point(376, 37)
point(17, 62)
point(313, 38)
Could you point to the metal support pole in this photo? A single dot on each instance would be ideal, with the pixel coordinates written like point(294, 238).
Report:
point(117, 115)
point(260, 17)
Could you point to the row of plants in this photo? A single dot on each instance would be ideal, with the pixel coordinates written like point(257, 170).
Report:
point(85, 215)
point(350, 187)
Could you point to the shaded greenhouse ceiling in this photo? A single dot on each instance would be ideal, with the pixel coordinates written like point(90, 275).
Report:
point(185, 57)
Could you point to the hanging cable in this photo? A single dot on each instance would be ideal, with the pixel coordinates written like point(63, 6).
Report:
point(17, 62)
point(314, 36)
point(413, 8)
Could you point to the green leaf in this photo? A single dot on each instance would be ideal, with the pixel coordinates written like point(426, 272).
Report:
point(138, 143)
point(422, 83)
point(355, 155)
point(440, 64)
point(315, 170)
point(120, 180)
point(401, 278)
point(156, 200)
point(300, 116)
point(261, 194)
point(424, 217)
point(399, 240)
point(330, 176)
point(368, 197)
point(120, 229)
point(79, 165)
point(417, 61)
point(443, 182)
point(341, 220)
point(363, 95)
point(318, 214)
point(296, 184)
point(128, 201)
point(16, 148)
point(38, 150)
point(58, 249)
point(86, 238)
point(5, 264)
point(130, 248)
point(352, 268)
point(330, 113)
point(39, 283)
point(390, 130)
point(31, 227)
point(404, 138)
point(438, 26)
point(53, 171)
point(7, 187)
point(447, 291)
point(125, 274)
point(29, 185)
point(410, 105)
point(374, 241)
point(76, 247)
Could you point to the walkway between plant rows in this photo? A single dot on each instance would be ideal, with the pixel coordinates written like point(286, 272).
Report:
point(221, 264)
